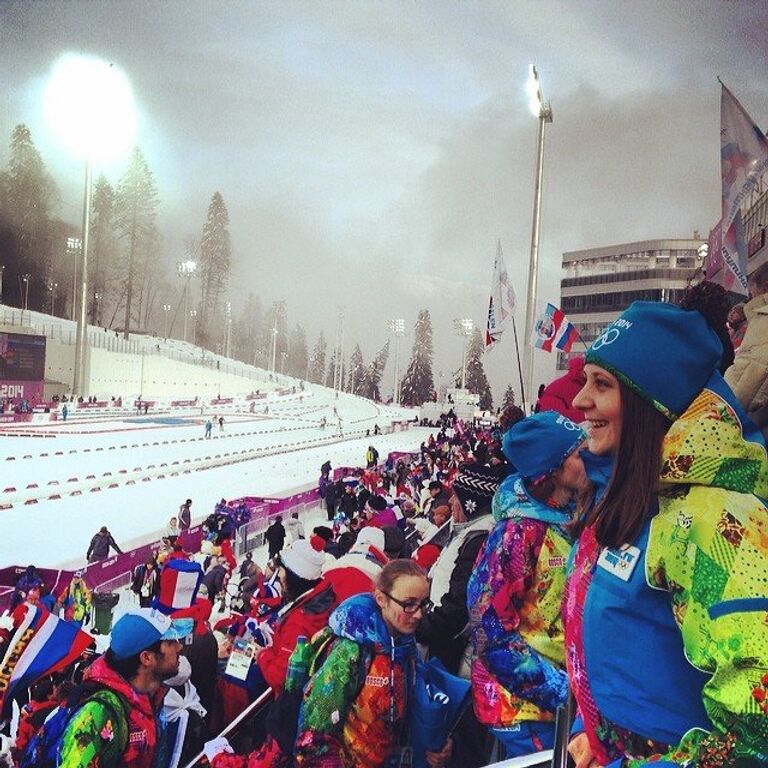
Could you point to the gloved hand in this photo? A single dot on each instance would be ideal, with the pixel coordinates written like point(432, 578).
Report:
point(261, 632)
point(216, 747)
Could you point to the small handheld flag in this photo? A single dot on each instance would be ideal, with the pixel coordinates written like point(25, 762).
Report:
point(553, 330)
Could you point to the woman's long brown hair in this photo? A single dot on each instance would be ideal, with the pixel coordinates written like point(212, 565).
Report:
point(618, 517)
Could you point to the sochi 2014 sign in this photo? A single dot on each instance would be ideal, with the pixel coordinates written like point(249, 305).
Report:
point(22, 367)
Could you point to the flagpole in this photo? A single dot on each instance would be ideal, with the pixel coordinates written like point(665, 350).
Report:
point(519, 366)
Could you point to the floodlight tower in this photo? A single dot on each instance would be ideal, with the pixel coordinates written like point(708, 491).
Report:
point(89, 104)
point(543, 112)
point(464, 328)
point(397, 328)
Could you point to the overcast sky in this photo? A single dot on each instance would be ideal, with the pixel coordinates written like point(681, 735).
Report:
point(372, 153)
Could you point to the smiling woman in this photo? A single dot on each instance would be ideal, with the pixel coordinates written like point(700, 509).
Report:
point(666, 599)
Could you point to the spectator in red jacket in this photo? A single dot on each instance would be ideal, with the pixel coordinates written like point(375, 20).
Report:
point(313, 600)
point(558, 395)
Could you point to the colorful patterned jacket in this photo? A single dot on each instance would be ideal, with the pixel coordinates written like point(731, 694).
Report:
point(93, 735)
point(667, 639)
point(514, 600)
point(346, 722)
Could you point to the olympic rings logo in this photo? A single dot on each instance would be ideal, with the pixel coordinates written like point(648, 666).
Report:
point(608, 337)
point(568, 424)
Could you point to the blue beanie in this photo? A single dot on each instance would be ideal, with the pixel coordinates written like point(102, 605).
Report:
point(664, 353)
point(540, 443)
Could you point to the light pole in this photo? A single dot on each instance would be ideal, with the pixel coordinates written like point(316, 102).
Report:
point(283, 358)
point(52, 286)
point(397, 327)
point(186, 269)
point(166, 312)
point(89, 104)
point(274, 349)
point(74, 245)
point(464, 328)
point(543, 111)
point(2, 269)
point(228, 319)
point(193, 315)
point(25, 280)
point(338, 355)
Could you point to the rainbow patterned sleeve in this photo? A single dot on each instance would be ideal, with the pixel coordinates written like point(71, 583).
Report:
point(506, 573)
point(708, 548)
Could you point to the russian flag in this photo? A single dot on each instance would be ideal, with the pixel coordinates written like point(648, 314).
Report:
point(41, 644)
point(553, 329)
point(568, 337)
point(179, 582)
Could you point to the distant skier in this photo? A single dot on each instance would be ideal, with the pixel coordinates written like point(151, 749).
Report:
point(208, 428)
point(64, 412)
point(221, 423)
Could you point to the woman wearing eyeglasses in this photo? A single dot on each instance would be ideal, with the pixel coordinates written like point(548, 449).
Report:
point(356, 706)
point(515, 592)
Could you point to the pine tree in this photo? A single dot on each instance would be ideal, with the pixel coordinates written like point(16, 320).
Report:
point(329, 376)
point(317, 360)
point(477, 381)
point(356, 371)
point(247, 331)
point(215, 264)
point(27, 196)
point(373, 374)
point(297, 364)
point(136, 205)
point(509, 398)
point(101, 247)
point(418, 384)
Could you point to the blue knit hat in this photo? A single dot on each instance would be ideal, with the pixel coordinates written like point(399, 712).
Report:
point(664, 353)
point(540, 443)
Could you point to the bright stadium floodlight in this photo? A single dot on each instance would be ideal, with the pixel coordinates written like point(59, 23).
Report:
point(89, 105)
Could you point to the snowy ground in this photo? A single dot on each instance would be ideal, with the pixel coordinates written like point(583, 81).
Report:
point(136, 495)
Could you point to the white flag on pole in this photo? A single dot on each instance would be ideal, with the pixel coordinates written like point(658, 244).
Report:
point(744, 159)
point(502, 301)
